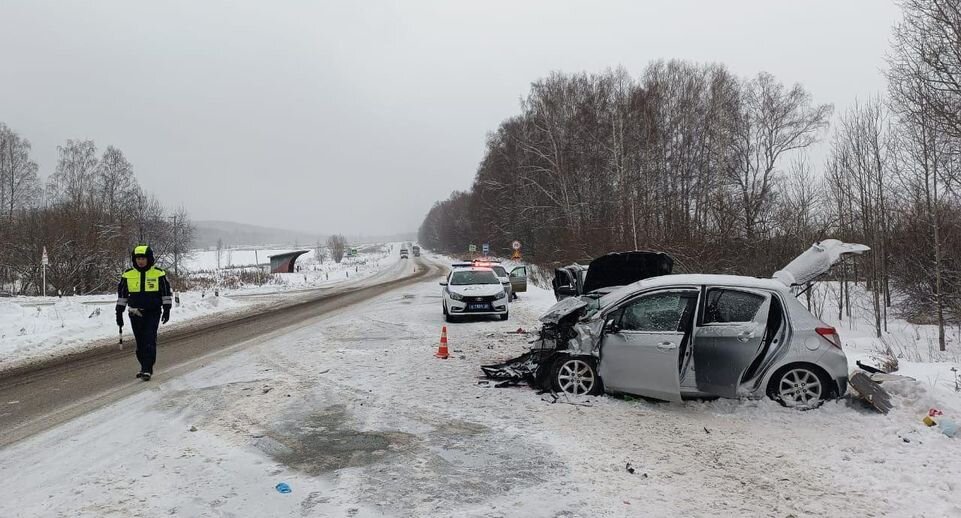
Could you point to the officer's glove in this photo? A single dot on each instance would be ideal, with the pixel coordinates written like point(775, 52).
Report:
point(166, 315)
point(119, 317)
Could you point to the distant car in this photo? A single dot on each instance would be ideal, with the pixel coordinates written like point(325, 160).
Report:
point(5, 293)
point(403, 253)
point(687, 336)
point(416, 250)
point(473, 291)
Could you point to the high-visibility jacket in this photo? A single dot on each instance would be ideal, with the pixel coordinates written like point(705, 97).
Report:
point(144, 289)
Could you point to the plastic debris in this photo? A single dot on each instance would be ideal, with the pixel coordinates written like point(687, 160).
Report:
point(948, 427)
point(283, 487)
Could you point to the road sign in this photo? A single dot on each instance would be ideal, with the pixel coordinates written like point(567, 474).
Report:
point(517, 255)
point(516, 245)
point(487, 248)
point(44, 260)
point(471, 248)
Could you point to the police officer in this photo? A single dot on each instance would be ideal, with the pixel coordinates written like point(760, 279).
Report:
point(145, 293)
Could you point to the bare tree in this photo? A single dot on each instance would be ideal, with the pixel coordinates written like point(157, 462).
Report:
point(925, 63)
point(116, 185)
point(337, 244)
point(771, 121)
point(19, 183)
point(319, 253)
point(75, 178)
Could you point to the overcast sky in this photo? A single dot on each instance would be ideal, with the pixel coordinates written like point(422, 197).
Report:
point(356, 117)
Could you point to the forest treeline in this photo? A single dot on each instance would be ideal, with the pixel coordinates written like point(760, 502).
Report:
point(88, 214)
point(716, 170)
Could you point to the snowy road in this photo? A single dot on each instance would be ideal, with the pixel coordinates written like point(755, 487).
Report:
point(358, 417)
point(45, 396)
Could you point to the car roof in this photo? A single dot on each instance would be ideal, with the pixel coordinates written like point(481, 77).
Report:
point(698, 279)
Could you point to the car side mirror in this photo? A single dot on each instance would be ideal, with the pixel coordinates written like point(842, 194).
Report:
point(611, 326)
point(442, 283)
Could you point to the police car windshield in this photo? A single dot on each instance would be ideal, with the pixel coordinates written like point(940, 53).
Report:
point(499, 270)
point(473, 277)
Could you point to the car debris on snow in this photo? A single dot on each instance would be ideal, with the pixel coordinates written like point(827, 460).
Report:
point(870, 391)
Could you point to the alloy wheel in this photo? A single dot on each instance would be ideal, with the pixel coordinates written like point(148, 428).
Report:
point(800, 388)
point(576, 377)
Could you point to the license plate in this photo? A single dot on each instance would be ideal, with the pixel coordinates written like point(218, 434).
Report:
point(478, 307)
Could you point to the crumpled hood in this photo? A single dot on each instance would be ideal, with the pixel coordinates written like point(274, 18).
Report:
point(562, 309)
point(476, 290)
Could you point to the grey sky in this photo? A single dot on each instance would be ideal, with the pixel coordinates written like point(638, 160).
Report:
point(356, 116)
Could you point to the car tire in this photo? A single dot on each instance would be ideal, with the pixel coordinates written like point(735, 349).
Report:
point(449, 318)
point(445, 309)
point(800, 386)
point(504, 316)
point(576, 375)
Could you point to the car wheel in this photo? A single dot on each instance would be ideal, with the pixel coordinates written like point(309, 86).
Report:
point(504, 316)
point(445, 309)
point(449, 318)
point(576, 376)
point(799, 386)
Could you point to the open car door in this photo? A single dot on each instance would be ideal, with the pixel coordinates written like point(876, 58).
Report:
point(729, 336)
point(643, 342)
point(518, 278)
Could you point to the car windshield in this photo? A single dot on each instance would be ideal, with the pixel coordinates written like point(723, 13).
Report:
point(473, 277)
point(499, 271)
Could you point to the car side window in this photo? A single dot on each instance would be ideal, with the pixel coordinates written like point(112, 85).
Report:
point(658, 312)
point(724, 306)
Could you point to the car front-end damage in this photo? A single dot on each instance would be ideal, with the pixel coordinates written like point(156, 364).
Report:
point(567, 330)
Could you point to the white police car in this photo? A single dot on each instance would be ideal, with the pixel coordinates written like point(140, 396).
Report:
point(495, 267)
point(473, 291)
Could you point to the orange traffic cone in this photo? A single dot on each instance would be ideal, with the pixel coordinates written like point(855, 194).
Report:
point(442, 352)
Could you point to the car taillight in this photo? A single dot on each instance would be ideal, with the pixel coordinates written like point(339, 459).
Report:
point(830, 334)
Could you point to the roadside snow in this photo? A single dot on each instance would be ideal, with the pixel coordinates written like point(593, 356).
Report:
point(37, 328)
point(914, 346)
point(359, 418)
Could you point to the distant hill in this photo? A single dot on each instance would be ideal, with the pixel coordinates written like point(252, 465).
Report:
point(207, 233)
point(241, 234)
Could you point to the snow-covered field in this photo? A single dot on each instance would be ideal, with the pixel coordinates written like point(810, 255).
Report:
point(915, 346)
point(359, 418)
point(36, 328)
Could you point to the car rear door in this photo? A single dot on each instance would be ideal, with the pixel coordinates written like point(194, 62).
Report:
point(519, 279)
point(640, 349)
point(728, 337)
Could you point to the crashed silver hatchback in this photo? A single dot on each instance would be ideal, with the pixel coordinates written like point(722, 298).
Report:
point(689, 336)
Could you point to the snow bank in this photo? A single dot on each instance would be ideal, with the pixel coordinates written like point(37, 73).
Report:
point(38, 328)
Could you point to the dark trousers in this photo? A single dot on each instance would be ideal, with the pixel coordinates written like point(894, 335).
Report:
point(145, 331)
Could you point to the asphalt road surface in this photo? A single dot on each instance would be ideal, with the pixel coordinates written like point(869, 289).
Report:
point(43, 396)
